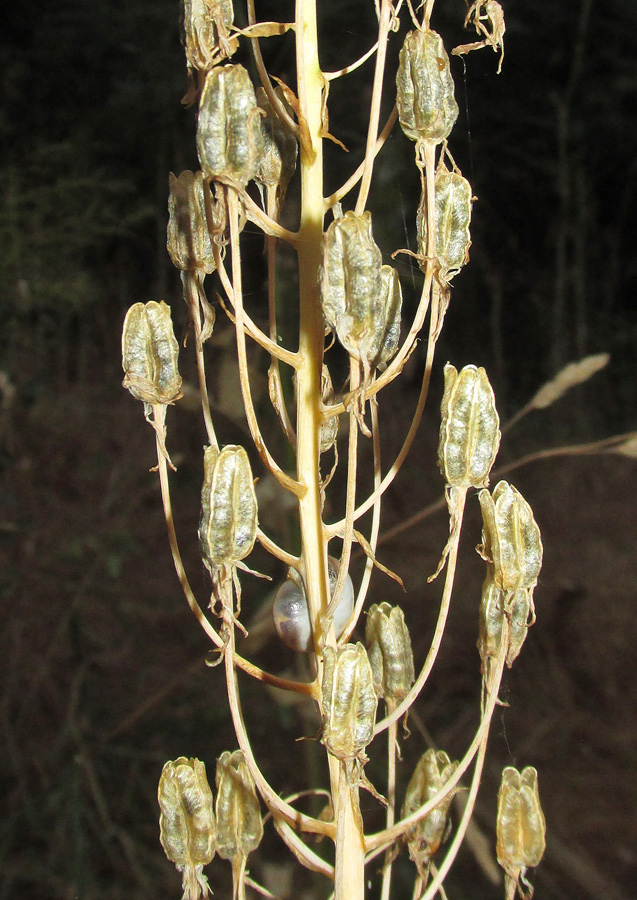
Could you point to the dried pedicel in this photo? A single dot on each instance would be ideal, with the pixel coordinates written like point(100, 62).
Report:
point(229, 134)
point(510, 538)
point(187, 822)
point(427, 108)
point(469, 428)
point(149, 354)
point(349, 701)
point(188, 240)
point(361, 298)
point(389, 650)
point(521, 828)
point(291, 614)
point(433, 771)
point(228, 526)
point(239, 822)
point(206, 32)
point(452, 240)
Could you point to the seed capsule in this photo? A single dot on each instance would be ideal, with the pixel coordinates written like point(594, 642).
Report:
point(469, 428)
point(431, 774)
point(239, 823)
point(149, 354)
point(511, 538)
point(228, 526)
point(187, 822)
point(188, 240)
point(521, 828)
point(426, 105)
point(291, 614)
point(361, 298)
point(452, 217)
point(349, 701)
point(229, 134)
point(389, 651)
point(207, 25)
point(277, 163)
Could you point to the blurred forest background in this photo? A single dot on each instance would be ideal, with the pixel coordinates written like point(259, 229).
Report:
point(102, 672)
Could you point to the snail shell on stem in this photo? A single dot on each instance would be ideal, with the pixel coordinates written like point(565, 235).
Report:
point(292, 617)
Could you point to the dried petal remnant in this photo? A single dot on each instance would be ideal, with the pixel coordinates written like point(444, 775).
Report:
point(469, 428)
point(187, 822)
point(433, 771)
point(228, 526)
point(188, 242)
point(229, 134)
point(521, 828)
point(149, 354)
point(349, 701)
point(239, 822)
point(521, 616)
point(207, 25)
point(277, 163)
point(427, 108)
point(390, 653)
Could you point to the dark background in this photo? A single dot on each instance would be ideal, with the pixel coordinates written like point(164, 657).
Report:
point(102, 664)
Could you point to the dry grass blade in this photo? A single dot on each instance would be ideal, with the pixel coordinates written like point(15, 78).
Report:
point(570, 376)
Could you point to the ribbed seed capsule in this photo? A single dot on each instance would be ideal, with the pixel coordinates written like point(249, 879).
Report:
point(511, 538)
point(389, 651)
point(277, 162)
point(291, 614)
point(187, 822)
point(229, 135)
point(453, 216)
point(149, 354)
point(349, 701)
point(207, 26)
point(469, 428)
point(228, 526)
point(188, 241)
point(433, 771)
point(427, 108)
point(520, 613)
point(361, 298)
point(239, 822)
point(521, 828)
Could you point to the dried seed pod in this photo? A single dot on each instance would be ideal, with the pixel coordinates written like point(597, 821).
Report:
point(510, 538)
point(277, 163)
point(229, 133)
point(469, 428)
point(328, 429)
point(361, 298)
point(188, 242)
point(521, 828)
point(389, 651)
point(187, 822)
point(291, 614)
point(349, 701)
point(239, 822)
point(452, 217)
point(426, 105)
point(149, 354)
point(433, 771)
point(206, 32)
point(228, 526)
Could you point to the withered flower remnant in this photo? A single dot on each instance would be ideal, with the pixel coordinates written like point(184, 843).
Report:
point(452, 217)
point(492, 610)
point(277, 162)
point(433, 771)
point(510, 538)
point(427, 108)
point(207, 25)
point(389, 651)
point(188, 239)
point(239, 822)
point(469, 428)
point(349, 701)
point(187, 822)
point(229, 132)
point(149, 354)
point(521, 827)
point(228, 526)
